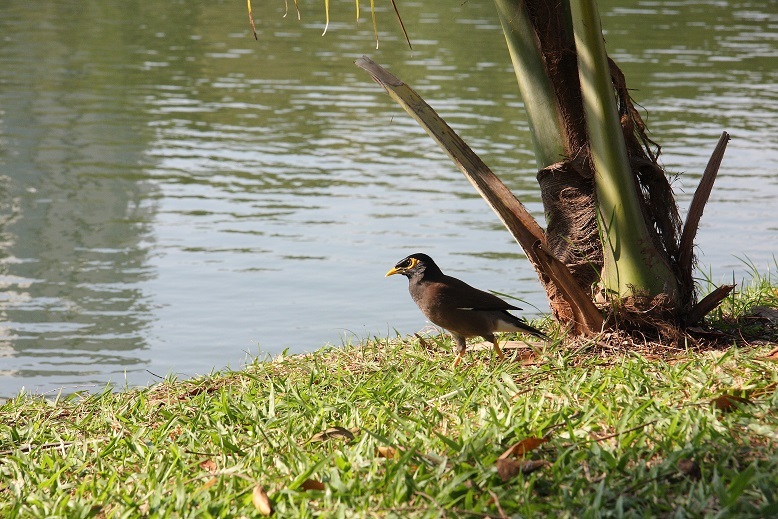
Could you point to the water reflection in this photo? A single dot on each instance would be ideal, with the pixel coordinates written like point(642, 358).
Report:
point(703, 68)
point(176, 196)
point(76, 219)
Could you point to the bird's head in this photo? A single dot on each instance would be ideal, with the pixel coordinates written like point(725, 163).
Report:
point(414, 265)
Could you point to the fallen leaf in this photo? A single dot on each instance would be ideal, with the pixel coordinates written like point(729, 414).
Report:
point(198, 390)
point(689, 468)
point(530, 466)
point(726, 403)
point(333, 432)
point(508, 469)
point(261, 501)
point(312, 484)
point(209, 466)
point(386, 452)
point(208, 484)
point(521, 448)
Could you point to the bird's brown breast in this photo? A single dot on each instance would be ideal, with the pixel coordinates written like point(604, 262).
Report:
point(456, 306)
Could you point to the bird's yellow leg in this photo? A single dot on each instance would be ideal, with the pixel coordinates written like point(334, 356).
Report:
point(461, 348)
point(498, 350)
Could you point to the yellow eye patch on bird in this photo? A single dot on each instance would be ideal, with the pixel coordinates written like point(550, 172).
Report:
point(403, 266)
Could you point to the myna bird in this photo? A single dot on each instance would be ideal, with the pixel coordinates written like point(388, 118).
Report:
point(452, 304)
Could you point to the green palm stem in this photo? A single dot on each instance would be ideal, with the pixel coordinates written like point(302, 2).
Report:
point(632, 262)
point(549, 137)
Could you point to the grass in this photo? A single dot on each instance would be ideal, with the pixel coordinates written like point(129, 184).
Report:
point(388, 429)
point(736, 311)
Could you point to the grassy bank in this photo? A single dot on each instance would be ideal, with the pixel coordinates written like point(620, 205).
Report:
point(388, 429)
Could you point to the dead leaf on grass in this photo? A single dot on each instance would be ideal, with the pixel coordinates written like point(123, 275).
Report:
point(198, 390)
point(383, 451)
point(508, 469)
point(333, 432)
point(261, 501)
point(209, 466)
point(726, 403)
point(208, 484)
point(312, 484)
point(521, 448)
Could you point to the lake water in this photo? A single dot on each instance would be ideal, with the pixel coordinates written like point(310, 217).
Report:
point(176, 197)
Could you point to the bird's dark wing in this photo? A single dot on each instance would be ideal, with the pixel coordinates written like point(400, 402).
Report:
point(467, 297)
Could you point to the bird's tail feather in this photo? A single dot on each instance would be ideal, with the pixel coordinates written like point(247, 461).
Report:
point(518, 325)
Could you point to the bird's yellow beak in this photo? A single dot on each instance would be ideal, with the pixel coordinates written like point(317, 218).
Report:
point(393, 272)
